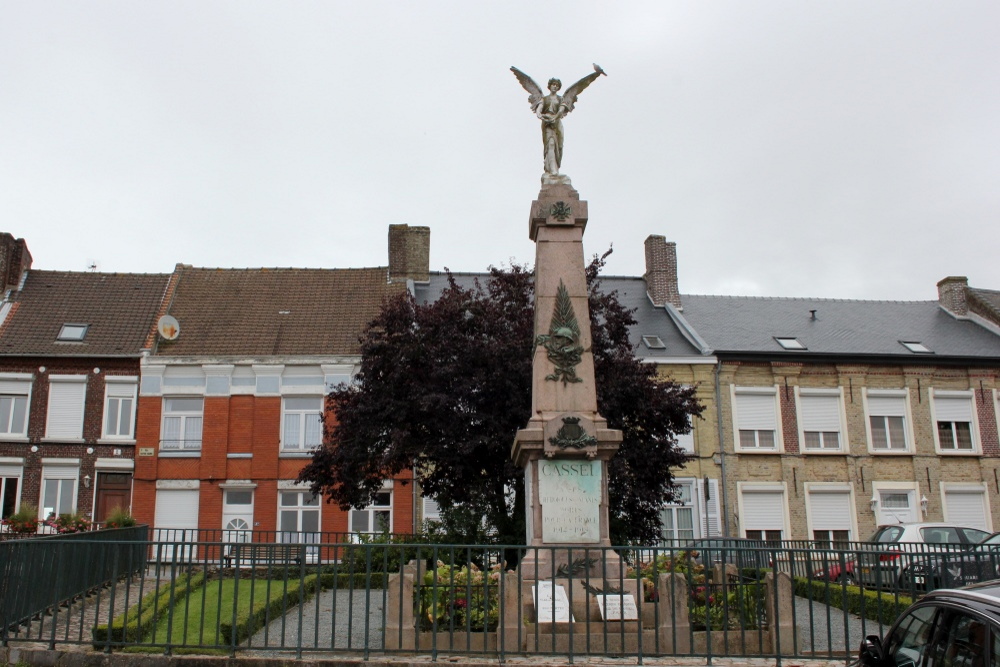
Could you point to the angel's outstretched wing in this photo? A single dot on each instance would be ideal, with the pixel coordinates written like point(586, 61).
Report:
point(534, 92)
point(569, 97)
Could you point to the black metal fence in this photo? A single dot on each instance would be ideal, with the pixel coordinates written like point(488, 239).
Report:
point(38, 575)
point(268, 595)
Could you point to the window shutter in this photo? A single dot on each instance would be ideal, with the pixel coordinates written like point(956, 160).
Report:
point(710, 506)
point(967, 508)
point(756, 412)
point(16, 387)
point(953, 408)
point(887, 406)
point(831, 510)
point(65, 419)
point(763, 510)
point(432, 511)
point(177, 508)
point(820, 413)
point(10, 471)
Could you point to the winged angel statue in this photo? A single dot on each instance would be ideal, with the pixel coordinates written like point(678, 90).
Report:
point(550, 109)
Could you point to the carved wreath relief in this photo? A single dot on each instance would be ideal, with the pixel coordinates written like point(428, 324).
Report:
point(572, 436)
point(562, 342)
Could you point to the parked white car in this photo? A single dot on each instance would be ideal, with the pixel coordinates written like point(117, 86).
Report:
point(883, 556)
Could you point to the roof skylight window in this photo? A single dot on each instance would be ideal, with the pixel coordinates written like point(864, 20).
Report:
point(73, 333)
point(653, 342)
point(916, 347)
point(790, 343)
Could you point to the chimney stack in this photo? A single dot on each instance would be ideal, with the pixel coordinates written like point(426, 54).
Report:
point(952, 296)
point(14, 260)
point(661, 272)
point(409, 253)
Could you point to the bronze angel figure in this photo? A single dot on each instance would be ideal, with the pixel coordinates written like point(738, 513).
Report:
point(550, 109)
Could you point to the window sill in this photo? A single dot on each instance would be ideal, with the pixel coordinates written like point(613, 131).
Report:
point(63, 441)
point(116, 441)
point(772, 452)
point(191, 454)
point(890, 452)
point(825, 452)
point(13, 438)
point(295, 455)
point(957, 452)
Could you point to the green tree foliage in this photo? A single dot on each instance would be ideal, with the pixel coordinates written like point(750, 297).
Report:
point(444, 386)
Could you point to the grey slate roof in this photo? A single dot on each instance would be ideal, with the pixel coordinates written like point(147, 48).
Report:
point(120, 309)
point(841, 327)
point(632, 294)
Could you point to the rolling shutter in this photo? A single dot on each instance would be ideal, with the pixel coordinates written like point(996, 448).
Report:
point(967, 508)
point(830, 510)
point(820, 413)
point(432, 512)
point(65, 418)
point(953, 408)
point(756, 412)
point(763, 510)
point(176, 520)
point(887, 406)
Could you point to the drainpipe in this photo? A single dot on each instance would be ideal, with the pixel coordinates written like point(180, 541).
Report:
point(724, 509)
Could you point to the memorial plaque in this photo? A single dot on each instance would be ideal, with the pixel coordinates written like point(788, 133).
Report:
point(613, 606)
point(569, 491)
point(551, 603)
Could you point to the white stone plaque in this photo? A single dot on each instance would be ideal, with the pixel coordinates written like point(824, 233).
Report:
point(617, 607)
point(551, 603)
point(569, 491)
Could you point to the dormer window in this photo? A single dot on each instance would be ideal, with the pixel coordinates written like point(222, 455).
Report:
point(653, 342)
point(916, 347)
point(790, 343)
point(73, 333)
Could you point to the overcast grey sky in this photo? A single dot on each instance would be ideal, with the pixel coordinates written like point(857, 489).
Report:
point(835, 149)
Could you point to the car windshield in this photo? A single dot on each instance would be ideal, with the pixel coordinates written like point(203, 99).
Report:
point(886, 534)
point(992, 539)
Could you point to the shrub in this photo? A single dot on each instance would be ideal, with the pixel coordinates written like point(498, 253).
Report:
point(119, 518)
point(131, 626)
point(69, 523)
point(873, 605)
point(460, 598)
point(24, 520)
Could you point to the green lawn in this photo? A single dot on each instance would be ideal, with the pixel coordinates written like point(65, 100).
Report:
point(204, 617)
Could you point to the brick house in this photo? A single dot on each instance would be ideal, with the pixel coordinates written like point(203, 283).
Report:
point(230, 409)
point(835, 416)
point(70, 345)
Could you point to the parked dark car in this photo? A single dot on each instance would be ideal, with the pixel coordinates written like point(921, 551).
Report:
point(980, 562)
point(742, 552)
point(946, 628)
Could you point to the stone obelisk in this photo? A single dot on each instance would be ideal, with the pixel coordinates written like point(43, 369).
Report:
point(566, 445)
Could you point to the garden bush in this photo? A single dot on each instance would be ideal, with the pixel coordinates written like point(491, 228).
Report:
point(873, 605)
point(460, 598)
point(138, 620)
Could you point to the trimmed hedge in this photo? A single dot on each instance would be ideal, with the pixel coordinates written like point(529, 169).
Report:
point(875, 606)
point(252, 620)
point(143, 617)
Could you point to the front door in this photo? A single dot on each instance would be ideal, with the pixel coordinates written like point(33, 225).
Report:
point(237, 515)
point(114, 489)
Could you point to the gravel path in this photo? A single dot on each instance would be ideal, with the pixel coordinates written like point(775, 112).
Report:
point(812, 620)
point(331, 619)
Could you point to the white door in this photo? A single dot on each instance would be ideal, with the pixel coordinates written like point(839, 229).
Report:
point(176, 523)
point(237, 515)
point(897, 506)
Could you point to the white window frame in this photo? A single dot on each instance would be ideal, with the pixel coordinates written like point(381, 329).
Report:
point(185, 446)
point(693, 505)
point(116, 389)
point(372, 510)
point(59, 470)
point(836, 394)
point(772, 487)
point(11, 468)
point(970, 396)
point(15, 386)
point(734, 392)
point(303, 415)
point(953, 487)
point(830, 487)
point(299, 508)
point(901, 394)
point(911, 488)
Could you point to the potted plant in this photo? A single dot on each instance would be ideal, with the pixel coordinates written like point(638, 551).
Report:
point(24, 521)
point(119, 517)
point(69, 523)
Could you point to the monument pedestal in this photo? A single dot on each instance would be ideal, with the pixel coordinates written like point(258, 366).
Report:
point(566, 446)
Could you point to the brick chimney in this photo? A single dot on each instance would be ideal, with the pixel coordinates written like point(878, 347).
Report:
point(951, 295)
point(661, 271)
point(409, 253)
point(14, 260)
